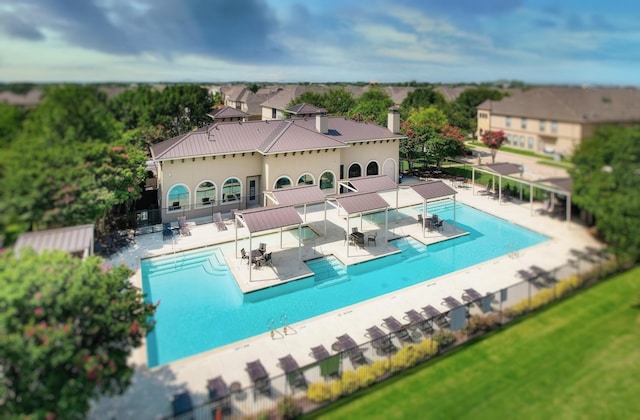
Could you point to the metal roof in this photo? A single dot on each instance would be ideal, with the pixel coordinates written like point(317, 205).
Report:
point(73, 239)
point(267, 218)
point(373, 183)
point(361, 202)
point(228, 112)
point(433, 189)
point(306, 194)
point(306, 109)
point(565, 184)
point(503, 168)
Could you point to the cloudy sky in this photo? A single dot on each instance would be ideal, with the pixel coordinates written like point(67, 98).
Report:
point(438, 41)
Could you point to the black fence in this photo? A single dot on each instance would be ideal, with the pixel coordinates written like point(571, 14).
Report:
point(421, 335)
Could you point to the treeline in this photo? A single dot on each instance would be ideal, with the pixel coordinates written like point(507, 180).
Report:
point(79, 157)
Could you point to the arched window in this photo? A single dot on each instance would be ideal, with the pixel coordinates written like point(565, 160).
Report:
point(355, 170)
point(178, 197)
point(305, 179)
point(205, 194)
point(372, 168)
point(283, 182)
point(231, 190)
point(327, 182)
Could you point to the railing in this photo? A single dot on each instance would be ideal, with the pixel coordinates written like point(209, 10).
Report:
point(326, 381)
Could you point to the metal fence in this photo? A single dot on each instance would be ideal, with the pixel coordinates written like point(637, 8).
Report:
point(313, 386)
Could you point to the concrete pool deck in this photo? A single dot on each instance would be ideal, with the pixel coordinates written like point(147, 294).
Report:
point(152, 389)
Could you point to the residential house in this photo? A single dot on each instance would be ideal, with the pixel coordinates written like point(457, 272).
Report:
point(240, 97)
point(228, 165)
point(554, 120)
point(275, 107)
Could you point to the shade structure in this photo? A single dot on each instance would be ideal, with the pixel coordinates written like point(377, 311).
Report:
point(76, 240)
point(432, 190)
point(360, 203)
point(299, 196)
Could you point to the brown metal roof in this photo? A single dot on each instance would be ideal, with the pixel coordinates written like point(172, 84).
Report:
point(228, 112)
point(306, 194)
point(350, 131)
point(73, 239)
point(503, 168)
point(267, 218)
point(361, 202)
point(433, 189)
point(565, 184)
point(306, 109)
point(373, 183)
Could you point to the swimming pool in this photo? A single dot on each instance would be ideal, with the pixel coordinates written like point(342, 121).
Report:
point(202, 307)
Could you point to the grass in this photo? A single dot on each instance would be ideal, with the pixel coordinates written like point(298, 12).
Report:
point(577, 359)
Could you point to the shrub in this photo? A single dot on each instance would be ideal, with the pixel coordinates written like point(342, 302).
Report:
point(318, 392)
point(336, 389)
point(366, 376)
point(427, 348)
point(350, 382)
point(288, 409)
point(380, 368)
point(482, 323)
point(444, 338)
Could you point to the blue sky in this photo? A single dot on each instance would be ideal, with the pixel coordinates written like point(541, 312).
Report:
point(438, 41)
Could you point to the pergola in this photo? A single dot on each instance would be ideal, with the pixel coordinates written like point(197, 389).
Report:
point(431, 190)
point(500, 169)
point(562, 186)
point(76, 240)
point(370, 184)
point(298, 196)
point(362, 203)
point(268, 218)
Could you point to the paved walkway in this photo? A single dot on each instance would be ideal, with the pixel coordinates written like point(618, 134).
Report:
point(152, 389)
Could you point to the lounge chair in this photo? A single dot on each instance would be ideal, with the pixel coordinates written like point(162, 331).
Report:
point(451, 302)
point(416, 320)
point(542, 273)
point(183, 227)
point(348, 346)
point(434, 314)
point(295, 377)
point(219, 394)
point(380, 340)
point(329, 365)
point(527, 275)
point(259, 377)
point(397, 328)
point(217, 219)
point(471, 295)
point(182, 405)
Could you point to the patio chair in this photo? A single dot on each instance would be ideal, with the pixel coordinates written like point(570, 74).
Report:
point(372, 238)
point(294, 374)
point(217, 219)
point(416, 320)
point(380, 340)
point(329, 365)
point(219, 394)
point(262, 248)
point(470, 296)
point(243, 253)
point(259, 377)
point(267, 259)
point(420, 219)
point(396, 327)
point(437, 316)
point(348, 346)
point(182, 405)
point(166, 231)
point(183, 227)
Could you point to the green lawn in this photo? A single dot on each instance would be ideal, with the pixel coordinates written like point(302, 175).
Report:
point(579, 359)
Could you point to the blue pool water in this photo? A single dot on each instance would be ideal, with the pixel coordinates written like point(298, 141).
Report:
point(202, 307)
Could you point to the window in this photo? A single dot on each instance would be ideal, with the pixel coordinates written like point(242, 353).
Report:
point(355, 170)
point(521, 141)
point(530, 142)
point(231, 190)
point(283, 182)
point(554, 126)
point(508, 138)
point(327, 182)
point(542, 125)
point(205, 194)
point(523, 123)
point(178, 197)
point(372, 168)
point(273, 113)
point(507, 121)
point(305, 179)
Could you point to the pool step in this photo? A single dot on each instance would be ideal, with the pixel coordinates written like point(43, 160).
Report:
point(327, 269)
point(212, 259)
point(332, 281)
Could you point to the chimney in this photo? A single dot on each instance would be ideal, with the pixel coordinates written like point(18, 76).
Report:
point(322, 125)
point(393, 120)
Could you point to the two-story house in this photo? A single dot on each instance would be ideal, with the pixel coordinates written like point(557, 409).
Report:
point(229, 165)
point(554, 120)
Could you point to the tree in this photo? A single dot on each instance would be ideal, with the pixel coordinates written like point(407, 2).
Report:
point(493, 140)
point(11, 118)
point(308, 97)
point(423, 97)
point(413, 146)
point(339, 102)
point(605, 182)
point(182, 108)
point(68, 327)
point(373, 105)
point(447, 142)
